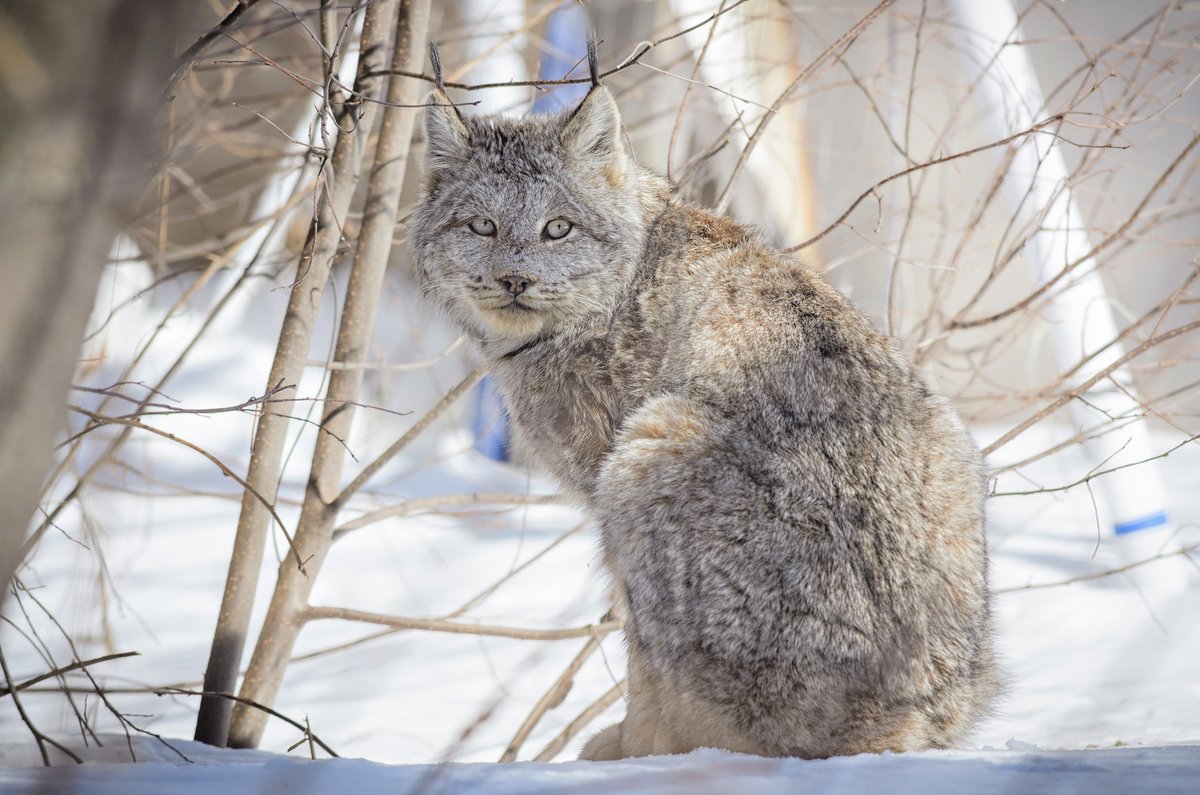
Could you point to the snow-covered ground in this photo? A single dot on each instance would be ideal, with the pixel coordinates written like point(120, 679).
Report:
point(1094, 665)
point(1110, 771)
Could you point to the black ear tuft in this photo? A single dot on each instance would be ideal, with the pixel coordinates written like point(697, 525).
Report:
point(447, 141)
point(593, 68)
point(446, 134)
point(435, 59)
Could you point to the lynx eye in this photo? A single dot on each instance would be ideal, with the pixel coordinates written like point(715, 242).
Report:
point(482, 226)
point(556, 229)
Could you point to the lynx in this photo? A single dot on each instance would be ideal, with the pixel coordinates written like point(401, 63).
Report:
point(792, 521)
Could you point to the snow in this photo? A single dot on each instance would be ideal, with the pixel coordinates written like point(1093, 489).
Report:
point(1122, 770)
point(1094, 665)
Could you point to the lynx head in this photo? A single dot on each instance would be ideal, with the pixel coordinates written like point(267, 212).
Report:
point(529, 227)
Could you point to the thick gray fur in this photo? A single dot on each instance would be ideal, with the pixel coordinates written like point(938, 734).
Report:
point(792, 520)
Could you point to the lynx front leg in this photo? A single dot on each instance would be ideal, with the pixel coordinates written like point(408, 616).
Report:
point(662, 719)
point(605, 746)
point(661, 446)
point(646, 729)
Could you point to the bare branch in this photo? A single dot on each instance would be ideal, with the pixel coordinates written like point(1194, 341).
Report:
point(595, 710)
point(832, 51)
point(1184, 551)
point(57, 672)
point(874, 189)
point(308, 733)
point(226, 471)
point(1088, 384)
point(445, 501)
point(551, 699)
point(440, 408)
point(460, 628)
point(189, 56)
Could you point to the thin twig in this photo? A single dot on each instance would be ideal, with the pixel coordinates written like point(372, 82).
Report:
point(873, 190)
point(41, 739)
point(189, 56)
point(1088, 384)
point(687, 91)
point(410, 507)
point(180, 691)
point(460, 628)
point(439, 408)
point(1096, 472)
point(133, 423)
point(4, 691)
point(1184, 551)
point(550, 699)
point(471, 603)
point(834, 50)
point(642, 49)
point(594, 710)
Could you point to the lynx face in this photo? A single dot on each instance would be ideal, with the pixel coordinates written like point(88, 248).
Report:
point(529, 227)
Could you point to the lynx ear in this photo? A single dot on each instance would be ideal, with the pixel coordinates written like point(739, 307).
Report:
point(593, 132)
point(446, 136)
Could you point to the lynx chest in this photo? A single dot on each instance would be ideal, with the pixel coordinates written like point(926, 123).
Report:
point(567, 404)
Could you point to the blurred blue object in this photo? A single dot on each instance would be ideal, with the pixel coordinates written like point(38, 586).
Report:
point(565, 56)
point(491, 425)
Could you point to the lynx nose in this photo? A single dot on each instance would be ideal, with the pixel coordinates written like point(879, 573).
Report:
point(515, 283)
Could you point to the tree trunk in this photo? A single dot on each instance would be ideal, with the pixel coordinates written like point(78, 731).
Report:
point(291, 353)
point(315, 530)
point(80, 84)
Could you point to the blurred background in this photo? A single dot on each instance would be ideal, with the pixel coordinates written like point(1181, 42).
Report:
point(1008, 189)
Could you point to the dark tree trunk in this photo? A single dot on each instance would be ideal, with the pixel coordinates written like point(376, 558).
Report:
point(80, 85)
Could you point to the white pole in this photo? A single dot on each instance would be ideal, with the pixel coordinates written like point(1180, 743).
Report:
point(1037, 180)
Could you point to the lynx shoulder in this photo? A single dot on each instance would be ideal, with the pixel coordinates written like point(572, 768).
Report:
point(792, 521)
